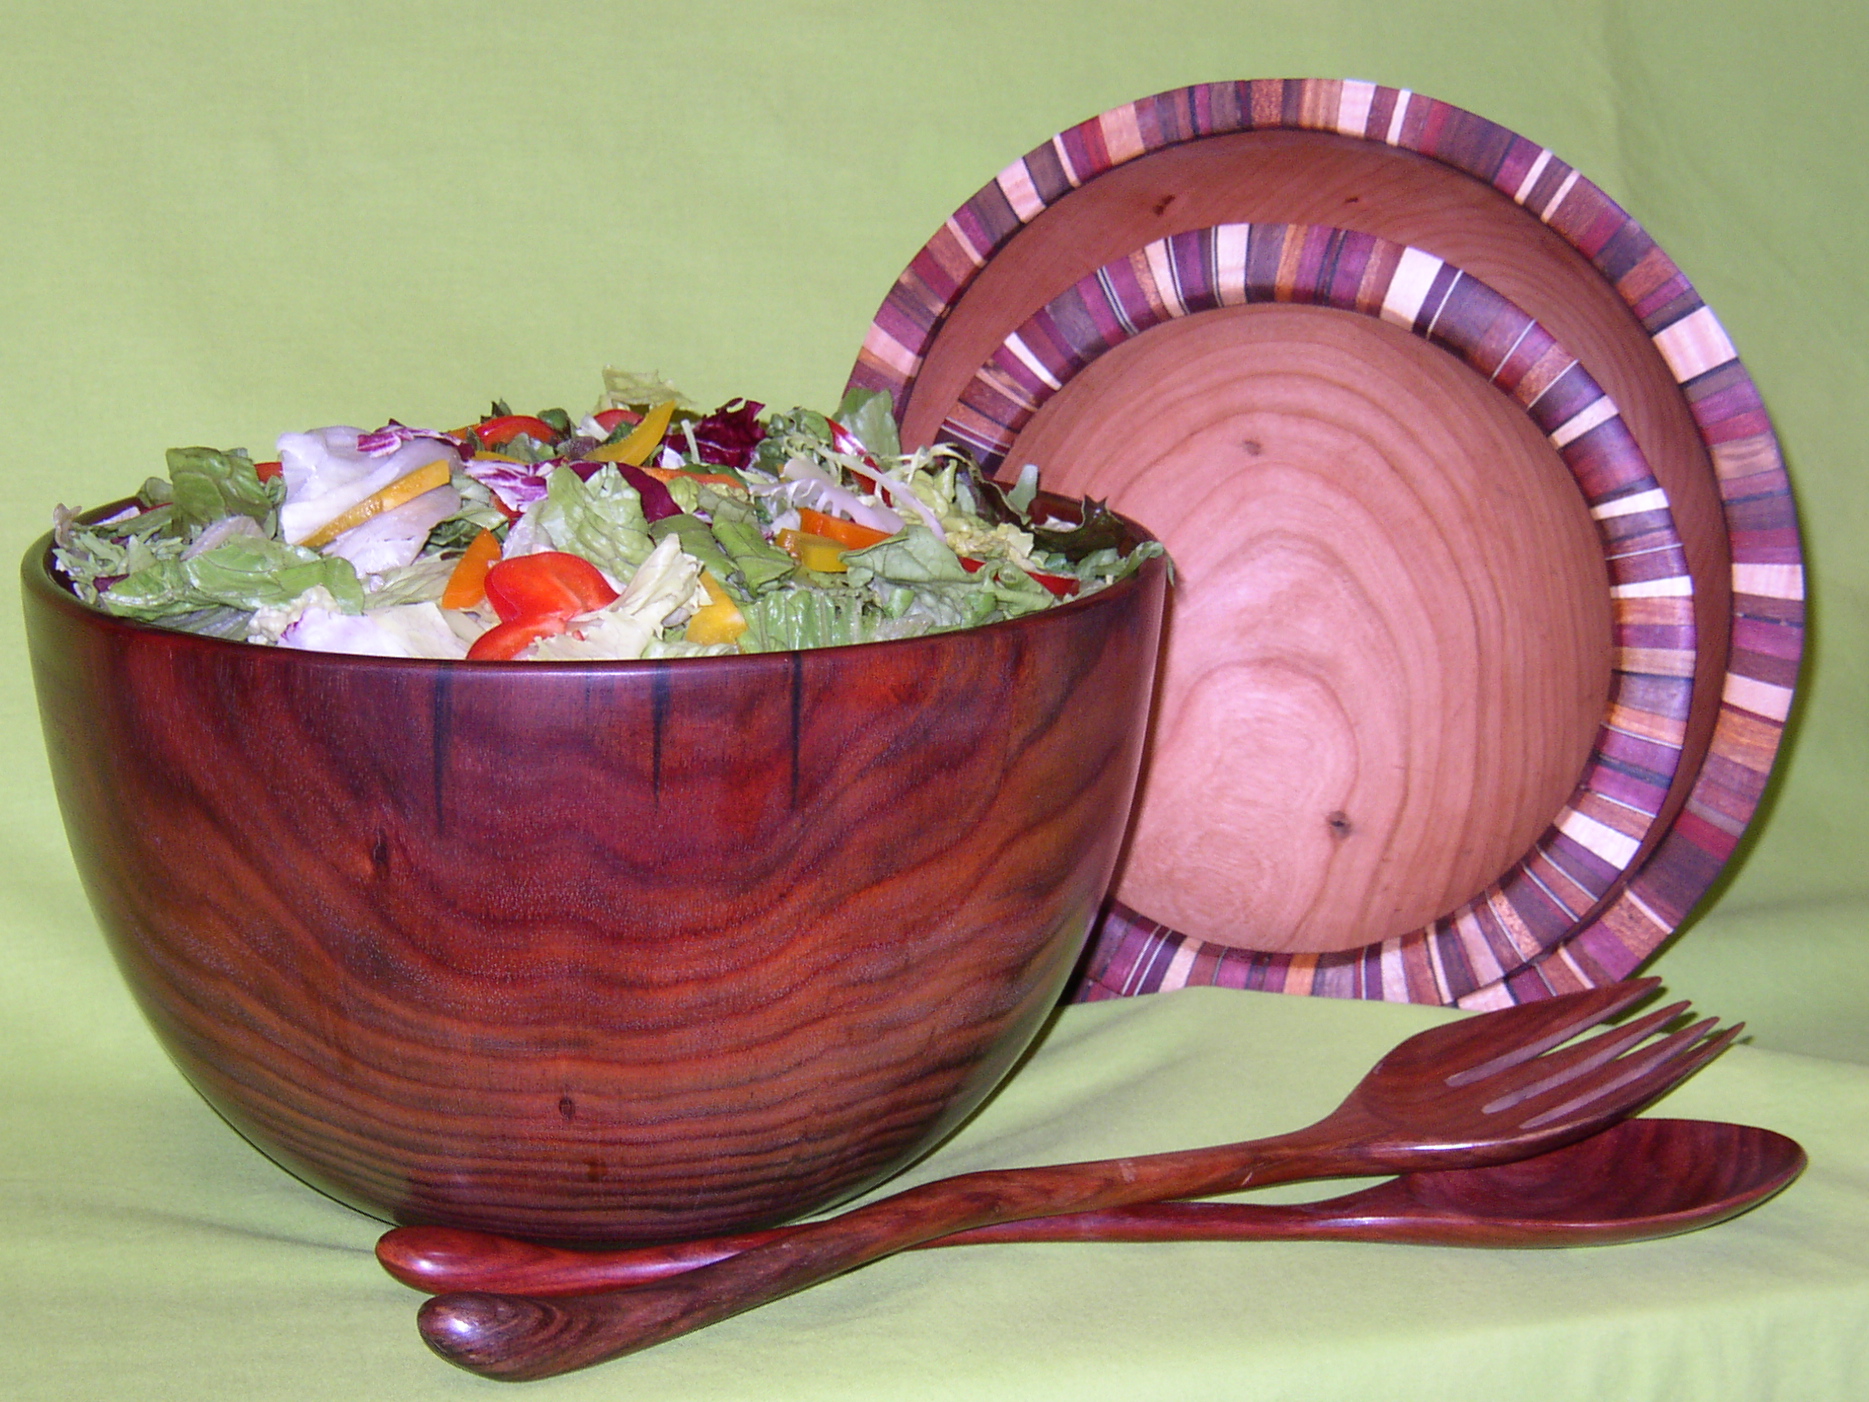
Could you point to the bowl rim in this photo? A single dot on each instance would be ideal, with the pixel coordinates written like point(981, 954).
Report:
point(1134, 954)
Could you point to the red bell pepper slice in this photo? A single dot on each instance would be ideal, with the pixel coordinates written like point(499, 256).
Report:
point(505, 641)
point(548, 585)
point(493, 432)
point(610, 418)
point(1061, 586)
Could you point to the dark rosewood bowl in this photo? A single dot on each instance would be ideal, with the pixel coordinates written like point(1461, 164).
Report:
point(596, 953)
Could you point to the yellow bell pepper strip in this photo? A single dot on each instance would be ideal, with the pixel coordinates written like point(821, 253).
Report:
point(467, 586)
point(642, 441)
point(720, 620)
point(404, 489)
point(814, 552)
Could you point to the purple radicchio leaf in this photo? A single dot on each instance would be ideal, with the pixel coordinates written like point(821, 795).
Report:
point(516, 485)
point(728, 436)
point(393, 435)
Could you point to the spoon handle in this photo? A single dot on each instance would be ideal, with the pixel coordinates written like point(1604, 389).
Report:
point(441, 1260)
point(516, 1337)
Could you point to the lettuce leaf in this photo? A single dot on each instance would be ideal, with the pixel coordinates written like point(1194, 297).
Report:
point(246, 572)
point(206, 484)
point(919, 578)
point(600, 519)
point(870, 415)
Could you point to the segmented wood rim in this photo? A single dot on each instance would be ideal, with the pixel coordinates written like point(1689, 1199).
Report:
point(1136, 955)
point(1582, 856)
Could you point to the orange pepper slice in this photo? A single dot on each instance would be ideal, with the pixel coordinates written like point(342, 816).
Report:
point(467, 586)
point(848, 534)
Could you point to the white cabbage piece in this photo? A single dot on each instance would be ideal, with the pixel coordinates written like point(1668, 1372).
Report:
point(392, 539)
point(402, 630)
point(326, 475)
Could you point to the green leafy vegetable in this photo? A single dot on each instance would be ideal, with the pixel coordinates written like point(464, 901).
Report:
point(600, 519)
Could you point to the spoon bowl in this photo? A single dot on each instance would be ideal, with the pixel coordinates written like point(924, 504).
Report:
point(1636, 1181)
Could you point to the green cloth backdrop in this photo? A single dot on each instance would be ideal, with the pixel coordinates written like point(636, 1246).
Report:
point(223, 220)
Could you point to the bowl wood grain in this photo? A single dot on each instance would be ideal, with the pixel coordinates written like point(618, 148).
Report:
point(606, 952)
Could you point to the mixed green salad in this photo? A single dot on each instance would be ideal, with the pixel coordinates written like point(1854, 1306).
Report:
point(646, 529)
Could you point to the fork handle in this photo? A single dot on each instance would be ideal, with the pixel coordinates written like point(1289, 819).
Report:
point(516, 1338)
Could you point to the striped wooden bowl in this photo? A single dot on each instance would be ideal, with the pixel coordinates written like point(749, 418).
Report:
point(1489, 611)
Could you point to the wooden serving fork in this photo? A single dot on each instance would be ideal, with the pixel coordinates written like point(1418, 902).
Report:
point(1484, 1090)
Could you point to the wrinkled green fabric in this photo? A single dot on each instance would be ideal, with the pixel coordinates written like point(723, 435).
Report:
point(225, 222)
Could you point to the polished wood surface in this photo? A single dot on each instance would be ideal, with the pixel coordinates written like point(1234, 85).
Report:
point(597, 953)
point(1412, 697)
point(1309, 895)
point(1461, 1095)
point(1634, 1181)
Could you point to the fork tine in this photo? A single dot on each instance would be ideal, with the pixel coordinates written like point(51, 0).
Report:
point(1553, 1069)
point(1652, 1072)
point(1538, 1027)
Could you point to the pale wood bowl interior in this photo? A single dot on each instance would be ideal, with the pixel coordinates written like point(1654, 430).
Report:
point(1389, 648)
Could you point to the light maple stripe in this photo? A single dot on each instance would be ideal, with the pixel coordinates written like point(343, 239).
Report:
point(1021, 194)
point(1563, 192)
point(1178, 967)
point(1479, 952)
point(1122, 135)
point(891, 352)
point(1446, 297)
point(1616, 848)
point(1231, 242)
point(1167, 286)
point(1769, 581)
point(1353, 106)
point(1394, 972)
point(1585, 419)
point(1064, 160)
point(1760, 698)
point(1436, 965)
point(1409, 287)
point(1016, 344)
point(1398, 118)
point(1655, 499)
point(1511, 350)
point(974, 255)
point(1678, 586)
point(1523, 193)
point(1694, 345)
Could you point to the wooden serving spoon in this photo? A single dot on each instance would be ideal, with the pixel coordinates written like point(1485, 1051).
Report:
point(1635, 1181)
point(1485, 1090)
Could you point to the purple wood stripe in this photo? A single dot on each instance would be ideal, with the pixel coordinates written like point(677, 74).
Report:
point(1723, 402)
point(1180, 276)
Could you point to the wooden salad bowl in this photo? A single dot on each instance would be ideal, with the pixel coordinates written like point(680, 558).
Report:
point(612, 952)
point(1489, 602)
